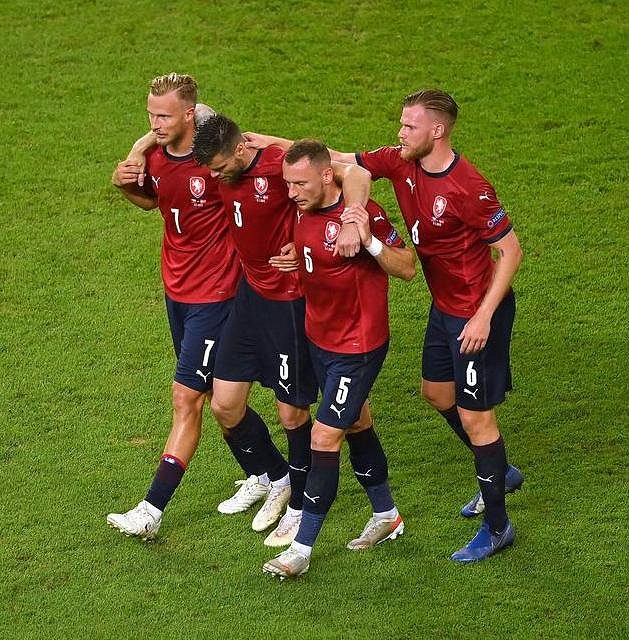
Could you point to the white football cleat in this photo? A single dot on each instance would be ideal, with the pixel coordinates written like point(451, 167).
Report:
point(142, 521)
point(377, 530)
point(285, 532)
point(288, 564)
point(272, 508)
point(251, 491)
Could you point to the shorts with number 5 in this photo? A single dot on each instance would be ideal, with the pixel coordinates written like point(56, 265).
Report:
point(345, 381)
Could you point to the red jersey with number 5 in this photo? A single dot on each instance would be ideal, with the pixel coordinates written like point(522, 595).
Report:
point(452, 218)
point(199, 262)
point(262, 217)
point(346, 298)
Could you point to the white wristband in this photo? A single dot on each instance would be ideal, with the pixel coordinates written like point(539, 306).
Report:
point(375, 248)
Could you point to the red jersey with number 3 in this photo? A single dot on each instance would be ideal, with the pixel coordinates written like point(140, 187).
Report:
point(346, 298)
point(199, 261)
point(452, 218)
point(261, 219)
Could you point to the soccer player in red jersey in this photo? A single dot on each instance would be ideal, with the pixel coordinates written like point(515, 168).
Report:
point(264, 338)
point(347, 326)
point(455, 222)
point(200, 271)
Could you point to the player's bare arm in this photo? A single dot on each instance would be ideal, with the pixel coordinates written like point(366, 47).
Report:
point(125, 178)
point(508, 258)
point(356, 183)
point(255, 140)
point(399, 262)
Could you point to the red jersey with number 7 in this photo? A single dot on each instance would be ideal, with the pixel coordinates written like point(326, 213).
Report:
point(261, 218)
point(199, 262)
point(346, 298)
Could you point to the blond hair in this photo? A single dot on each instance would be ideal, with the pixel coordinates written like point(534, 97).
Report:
point(184, 85)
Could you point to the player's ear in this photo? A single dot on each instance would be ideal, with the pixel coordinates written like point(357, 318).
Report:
point(327, 175)
point(439, 130)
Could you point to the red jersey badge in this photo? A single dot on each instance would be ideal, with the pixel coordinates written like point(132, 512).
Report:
point(332, 230)
point(261, 185)
point(439, 206)
point(197, 186)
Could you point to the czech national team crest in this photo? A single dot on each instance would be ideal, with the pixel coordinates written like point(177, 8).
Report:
point(332, 230)
point(439, 206)
point(197, 186)
point(261, 185)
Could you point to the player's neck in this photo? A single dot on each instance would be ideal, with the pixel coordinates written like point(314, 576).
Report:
point(331, 196)
point(183, 146)
point(439, 159)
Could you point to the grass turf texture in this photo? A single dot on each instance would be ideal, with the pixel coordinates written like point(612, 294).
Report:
point(87, 359)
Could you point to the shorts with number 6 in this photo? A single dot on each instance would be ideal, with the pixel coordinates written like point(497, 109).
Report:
point(264, 341)
point(345, 381)
point(481, 379)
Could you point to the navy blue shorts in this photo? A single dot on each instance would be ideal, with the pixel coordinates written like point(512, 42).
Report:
point(481, 379)
point(345, 381)
point(196, 330)
point(264, 341)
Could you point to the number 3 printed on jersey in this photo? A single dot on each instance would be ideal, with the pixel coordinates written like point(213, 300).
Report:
point(237, 213)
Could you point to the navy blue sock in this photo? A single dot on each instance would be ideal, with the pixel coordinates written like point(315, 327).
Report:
point(298, 462)
point(370, 467)
point(452, 417)
point(243, 458)
point(319, 494)
point(491, 462)
point(166, 480)
point(252, 437)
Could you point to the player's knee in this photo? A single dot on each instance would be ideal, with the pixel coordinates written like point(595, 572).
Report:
point(436, 398)
point(186, 400)
point(226, 413)
point(478, 423)
point(292, 417)
point(325, 438)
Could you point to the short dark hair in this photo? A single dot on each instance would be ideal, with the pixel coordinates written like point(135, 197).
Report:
point(435, 100)
point(309, 148)
point(217, 134)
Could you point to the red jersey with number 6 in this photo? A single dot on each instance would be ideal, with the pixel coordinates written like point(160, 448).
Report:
point(199, 261)
point(346, 298)
point(261, 219)
point(452, 218)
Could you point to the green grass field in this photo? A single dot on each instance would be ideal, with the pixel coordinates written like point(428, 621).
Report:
point(87, 360)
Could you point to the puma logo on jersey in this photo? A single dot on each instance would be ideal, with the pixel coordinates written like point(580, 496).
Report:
point(484, 196)
point(411, 184)
point(471, 393)
point(380, 217)
point(338, 411)
point(489, 479)
point(300, 215)
point(155, 181)
point(367, 473)
point(313, 500)
point(284, 386)
point(249, 450)
point(204, 376)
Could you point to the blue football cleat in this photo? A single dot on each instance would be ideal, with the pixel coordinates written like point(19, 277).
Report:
point(485, 544)
point(476, 506)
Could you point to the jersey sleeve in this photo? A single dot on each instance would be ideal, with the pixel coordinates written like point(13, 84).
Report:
point(381, 163)
point(381, 227)
point(485, 212)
